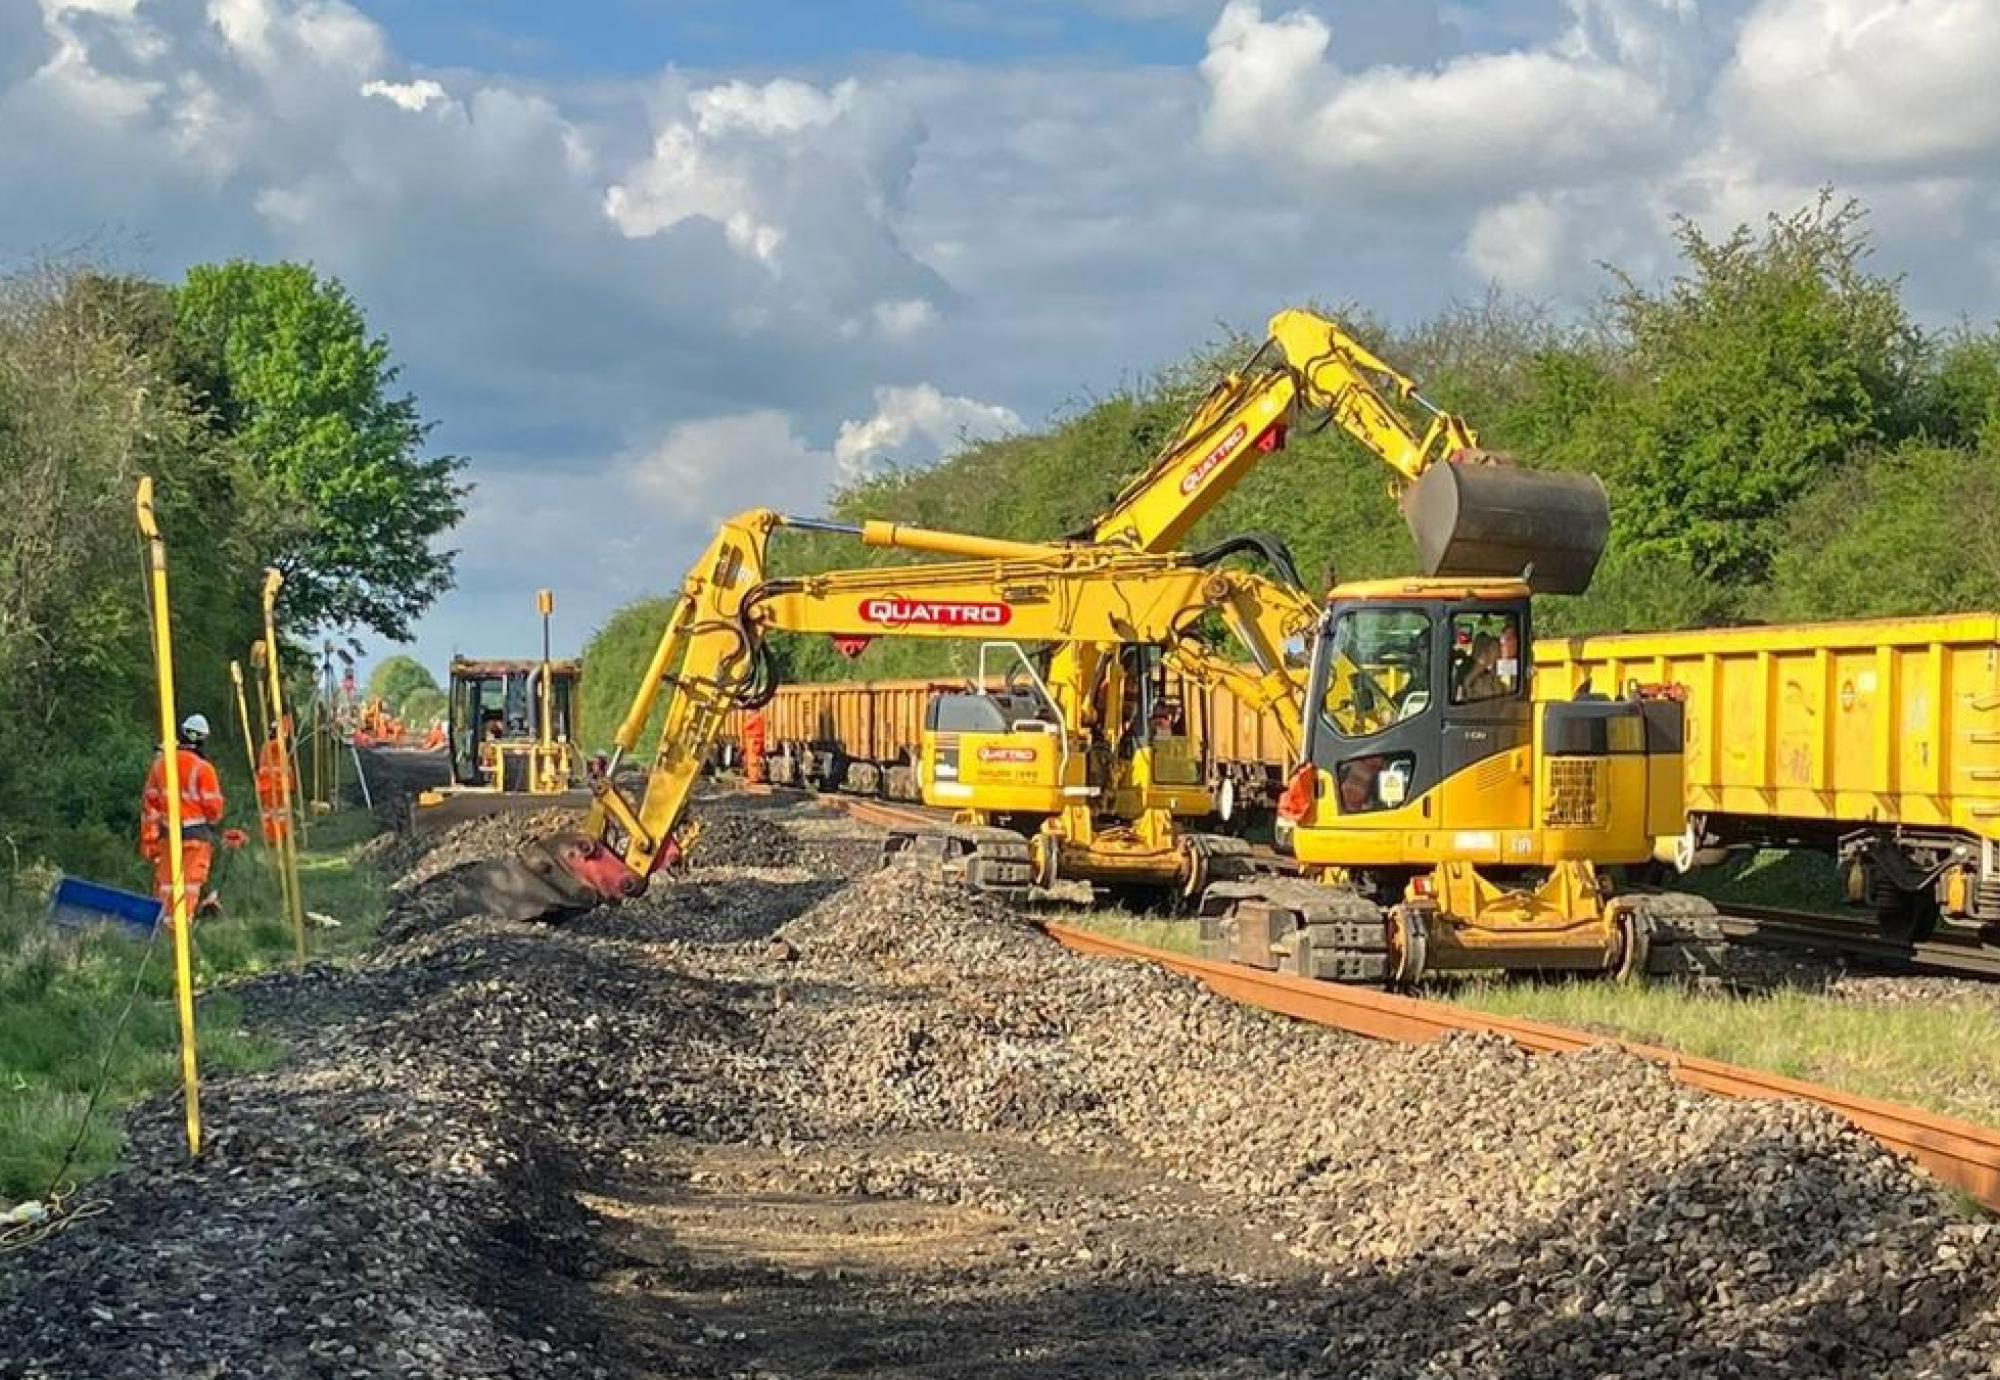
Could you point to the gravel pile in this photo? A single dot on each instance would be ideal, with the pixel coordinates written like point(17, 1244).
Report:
point(734, 838)
point(399, 1198)
point(1525, 1215)
point(476, 840)
point(460, 1170)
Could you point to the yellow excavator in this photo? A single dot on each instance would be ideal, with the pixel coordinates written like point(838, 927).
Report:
point(1472, 512)
point(1439, 821)
point(714, 656)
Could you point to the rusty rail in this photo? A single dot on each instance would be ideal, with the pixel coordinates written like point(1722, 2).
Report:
point(1958, 1153)
point(1955, 1152)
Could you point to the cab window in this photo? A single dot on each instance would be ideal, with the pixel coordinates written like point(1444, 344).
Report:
point(1485, 656)
point(1379, 670)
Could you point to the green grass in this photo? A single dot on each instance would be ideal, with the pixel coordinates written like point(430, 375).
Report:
point(61, 996)
point(1942, 1056)
point(1175, 936)
point(1792, 879)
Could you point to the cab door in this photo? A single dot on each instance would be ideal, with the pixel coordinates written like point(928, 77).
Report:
point(1486, 765)
point(1378, 740)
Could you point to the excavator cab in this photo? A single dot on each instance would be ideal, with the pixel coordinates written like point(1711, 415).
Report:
point(1004, 749)
point(1428, 746)
point(1437, 791)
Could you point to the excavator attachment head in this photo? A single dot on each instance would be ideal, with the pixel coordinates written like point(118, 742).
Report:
point(1482, 515)
point(549, 879)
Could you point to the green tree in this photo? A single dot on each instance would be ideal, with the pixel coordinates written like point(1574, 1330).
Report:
point(1959, 401)
point(284, 363)
point(394, 678)
point(421, 706)
point(89, 401)
point(1747, 380)
point(1898, 532)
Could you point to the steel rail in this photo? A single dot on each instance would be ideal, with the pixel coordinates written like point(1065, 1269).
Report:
point(1804, 930)
point(1957, 1153)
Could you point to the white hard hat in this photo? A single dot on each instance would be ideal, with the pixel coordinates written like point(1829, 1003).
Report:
point(194, 726)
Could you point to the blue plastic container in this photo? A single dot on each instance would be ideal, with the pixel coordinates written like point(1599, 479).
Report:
point(76, 903)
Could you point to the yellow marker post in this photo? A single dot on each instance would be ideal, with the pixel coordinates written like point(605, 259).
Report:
point(180, 915)
point(289, 847)
point(545, 747)
point(275, 850)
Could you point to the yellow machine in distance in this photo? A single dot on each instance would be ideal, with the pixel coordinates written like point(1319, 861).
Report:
point(513, 736)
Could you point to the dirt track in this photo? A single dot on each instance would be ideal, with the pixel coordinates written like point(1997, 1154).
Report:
point(909, 1137)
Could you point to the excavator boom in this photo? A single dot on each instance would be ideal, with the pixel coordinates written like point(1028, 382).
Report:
point(714, 657)
point(1472, 512)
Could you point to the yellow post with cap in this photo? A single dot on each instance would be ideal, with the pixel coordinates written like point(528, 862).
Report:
point(180, 914)
point(288, 849)
point(545, 747)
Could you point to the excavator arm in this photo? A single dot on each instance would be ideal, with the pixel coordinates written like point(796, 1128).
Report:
point(1472, 512)
point(713, 656)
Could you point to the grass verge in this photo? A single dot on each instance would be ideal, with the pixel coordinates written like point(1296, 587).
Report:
point(1943, 1056)
point(61, 996)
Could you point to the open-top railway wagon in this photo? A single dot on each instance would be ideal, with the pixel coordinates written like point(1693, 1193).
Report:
point(1876, 741)
point(865, 737)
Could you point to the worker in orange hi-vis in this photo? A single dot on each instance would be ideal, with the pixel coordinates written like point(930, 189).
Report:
point(753, 747)
point(201, 817)
point(276, 819)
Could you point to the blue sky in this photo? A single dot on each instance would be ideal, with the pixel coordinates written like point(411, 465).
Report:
point(633, 37)
point(649, 262)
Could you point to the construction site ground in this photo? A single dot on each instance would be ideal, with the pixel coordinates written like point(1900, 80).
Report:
point(792, 1116)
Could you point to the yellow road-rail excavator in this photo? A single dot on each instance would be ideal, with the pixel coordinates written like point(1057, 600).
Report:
point(714, 656)
point(1441, 821)
point(1472, 512)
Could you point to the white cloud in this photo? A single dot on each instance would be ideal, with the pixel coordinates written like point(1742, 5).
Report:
point(1480, 122)
point(318, 34)
point(1518, 243)
point(709, 469)
point(1869, 85)
point(642, 305)
point(904, 317)
point(934, 422)
point(410, 95)
point(776, 108)
point(804, 182)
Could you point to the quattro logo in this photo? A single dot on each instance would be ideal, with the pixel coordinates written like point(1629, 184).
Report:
point(1006, 754)
point(1224, 448)
point(906, 613)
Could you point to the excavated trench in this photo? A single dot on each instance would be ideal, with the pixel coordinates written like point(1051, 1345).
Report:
point(789, 1116)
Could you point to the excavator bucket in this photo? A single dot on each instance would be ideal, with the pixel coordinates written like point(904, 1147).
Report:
point(1484, 516)
point(549, 879)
